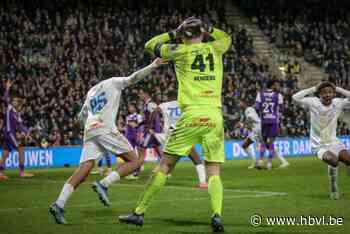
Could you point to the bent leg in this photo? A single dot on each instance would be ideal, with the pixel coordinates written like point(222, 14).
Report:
point(74, 181)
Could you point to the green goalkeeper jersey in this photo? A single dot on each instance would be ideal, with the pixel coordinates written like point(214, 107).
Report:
point(198, 67)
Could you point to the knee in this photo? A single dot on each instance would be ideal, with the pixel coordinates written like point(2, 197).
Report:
point(330, 159)
point(344, 157)
point(166, 167)
point(213, 169)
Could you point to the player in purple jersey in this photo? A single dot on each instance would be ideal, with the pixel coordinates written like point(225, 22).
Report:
point(269, 104)
point(134, 132)
point(133, 120)
point(14, 132)
point(151, 124)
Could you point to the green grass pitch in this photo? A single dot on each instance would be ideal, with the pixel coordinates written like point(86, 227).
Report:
point(302, 189)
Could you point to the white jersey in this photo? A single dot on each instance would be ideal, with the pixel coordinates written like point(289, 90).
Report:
point(323, 119)
point(171, 113)
point(252, 119)
point(101, 105)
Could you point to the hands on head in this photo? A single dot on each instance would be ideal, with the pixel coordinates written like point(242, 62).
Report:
point(192, 22)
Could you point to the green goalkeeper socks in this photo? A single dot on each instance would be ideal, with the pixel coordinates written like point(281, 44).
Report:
point(157, 181)
point(215, 190)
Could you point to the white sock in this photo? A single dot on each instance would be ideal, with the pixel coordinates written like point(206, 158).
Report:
point(282, 159)
point(201, 173)
point(249, 152)
point(333, 178)
point(111, 178)
point(66, 192)
point(269, 165)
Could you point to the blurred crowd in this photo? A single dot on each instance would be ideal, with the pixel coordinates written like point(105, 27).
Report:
point(321, 35)
point(55, 56)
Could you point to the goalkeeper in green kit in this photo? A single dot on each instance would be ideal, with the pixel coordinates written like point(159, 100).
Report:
point(199, 71)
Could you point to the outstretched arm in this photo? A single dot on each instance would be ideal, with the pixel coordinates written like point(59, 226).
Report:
point(140, 74)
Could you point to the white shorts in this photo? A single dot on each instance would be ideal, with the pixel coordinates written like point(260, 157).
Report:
point(96, 147)
point(335, 149)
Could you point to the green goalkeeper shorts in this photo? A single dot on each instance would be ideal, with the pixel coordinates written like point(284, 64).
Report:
point(198, 126)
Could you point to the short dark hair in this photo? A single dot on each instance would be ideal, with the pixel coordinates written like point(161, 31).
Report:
point(270, 83)
point(248, 101)
point(172, 94)
point(323, 85)
point(192, 28)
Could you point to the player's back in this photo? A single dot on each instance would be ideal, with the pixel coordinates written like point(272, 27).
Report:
point(268, 103)
point(102, 104)
point(198, 67)
point(199, 71)
point(171, 113)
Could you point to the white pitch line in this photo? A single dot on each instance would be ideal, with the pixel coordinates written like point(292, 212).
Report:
point(255, 194)
point(168, 201)
point(166, 187)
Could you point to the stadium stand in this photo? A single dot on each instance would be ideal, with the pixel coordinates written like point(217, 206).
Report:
point(56, 52)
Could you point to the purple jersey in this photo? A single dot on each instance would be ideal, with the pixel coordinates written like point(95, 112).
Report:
point(131, 132)
point(154, 124)
point(13, 120)
point(269, 105)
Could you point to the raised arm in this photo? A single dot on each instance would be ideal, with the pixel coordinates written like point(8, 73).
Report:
point(23, 128)
point(342, 91)
point(299, 97)
point(154, 45)
point(7, 87)
point(222, 41)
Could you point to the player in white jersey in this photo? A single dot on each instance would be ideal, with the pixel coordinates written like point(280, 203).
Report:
point(325, 110)
point(171, 113)
point(98, 115)
point(253, 123)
